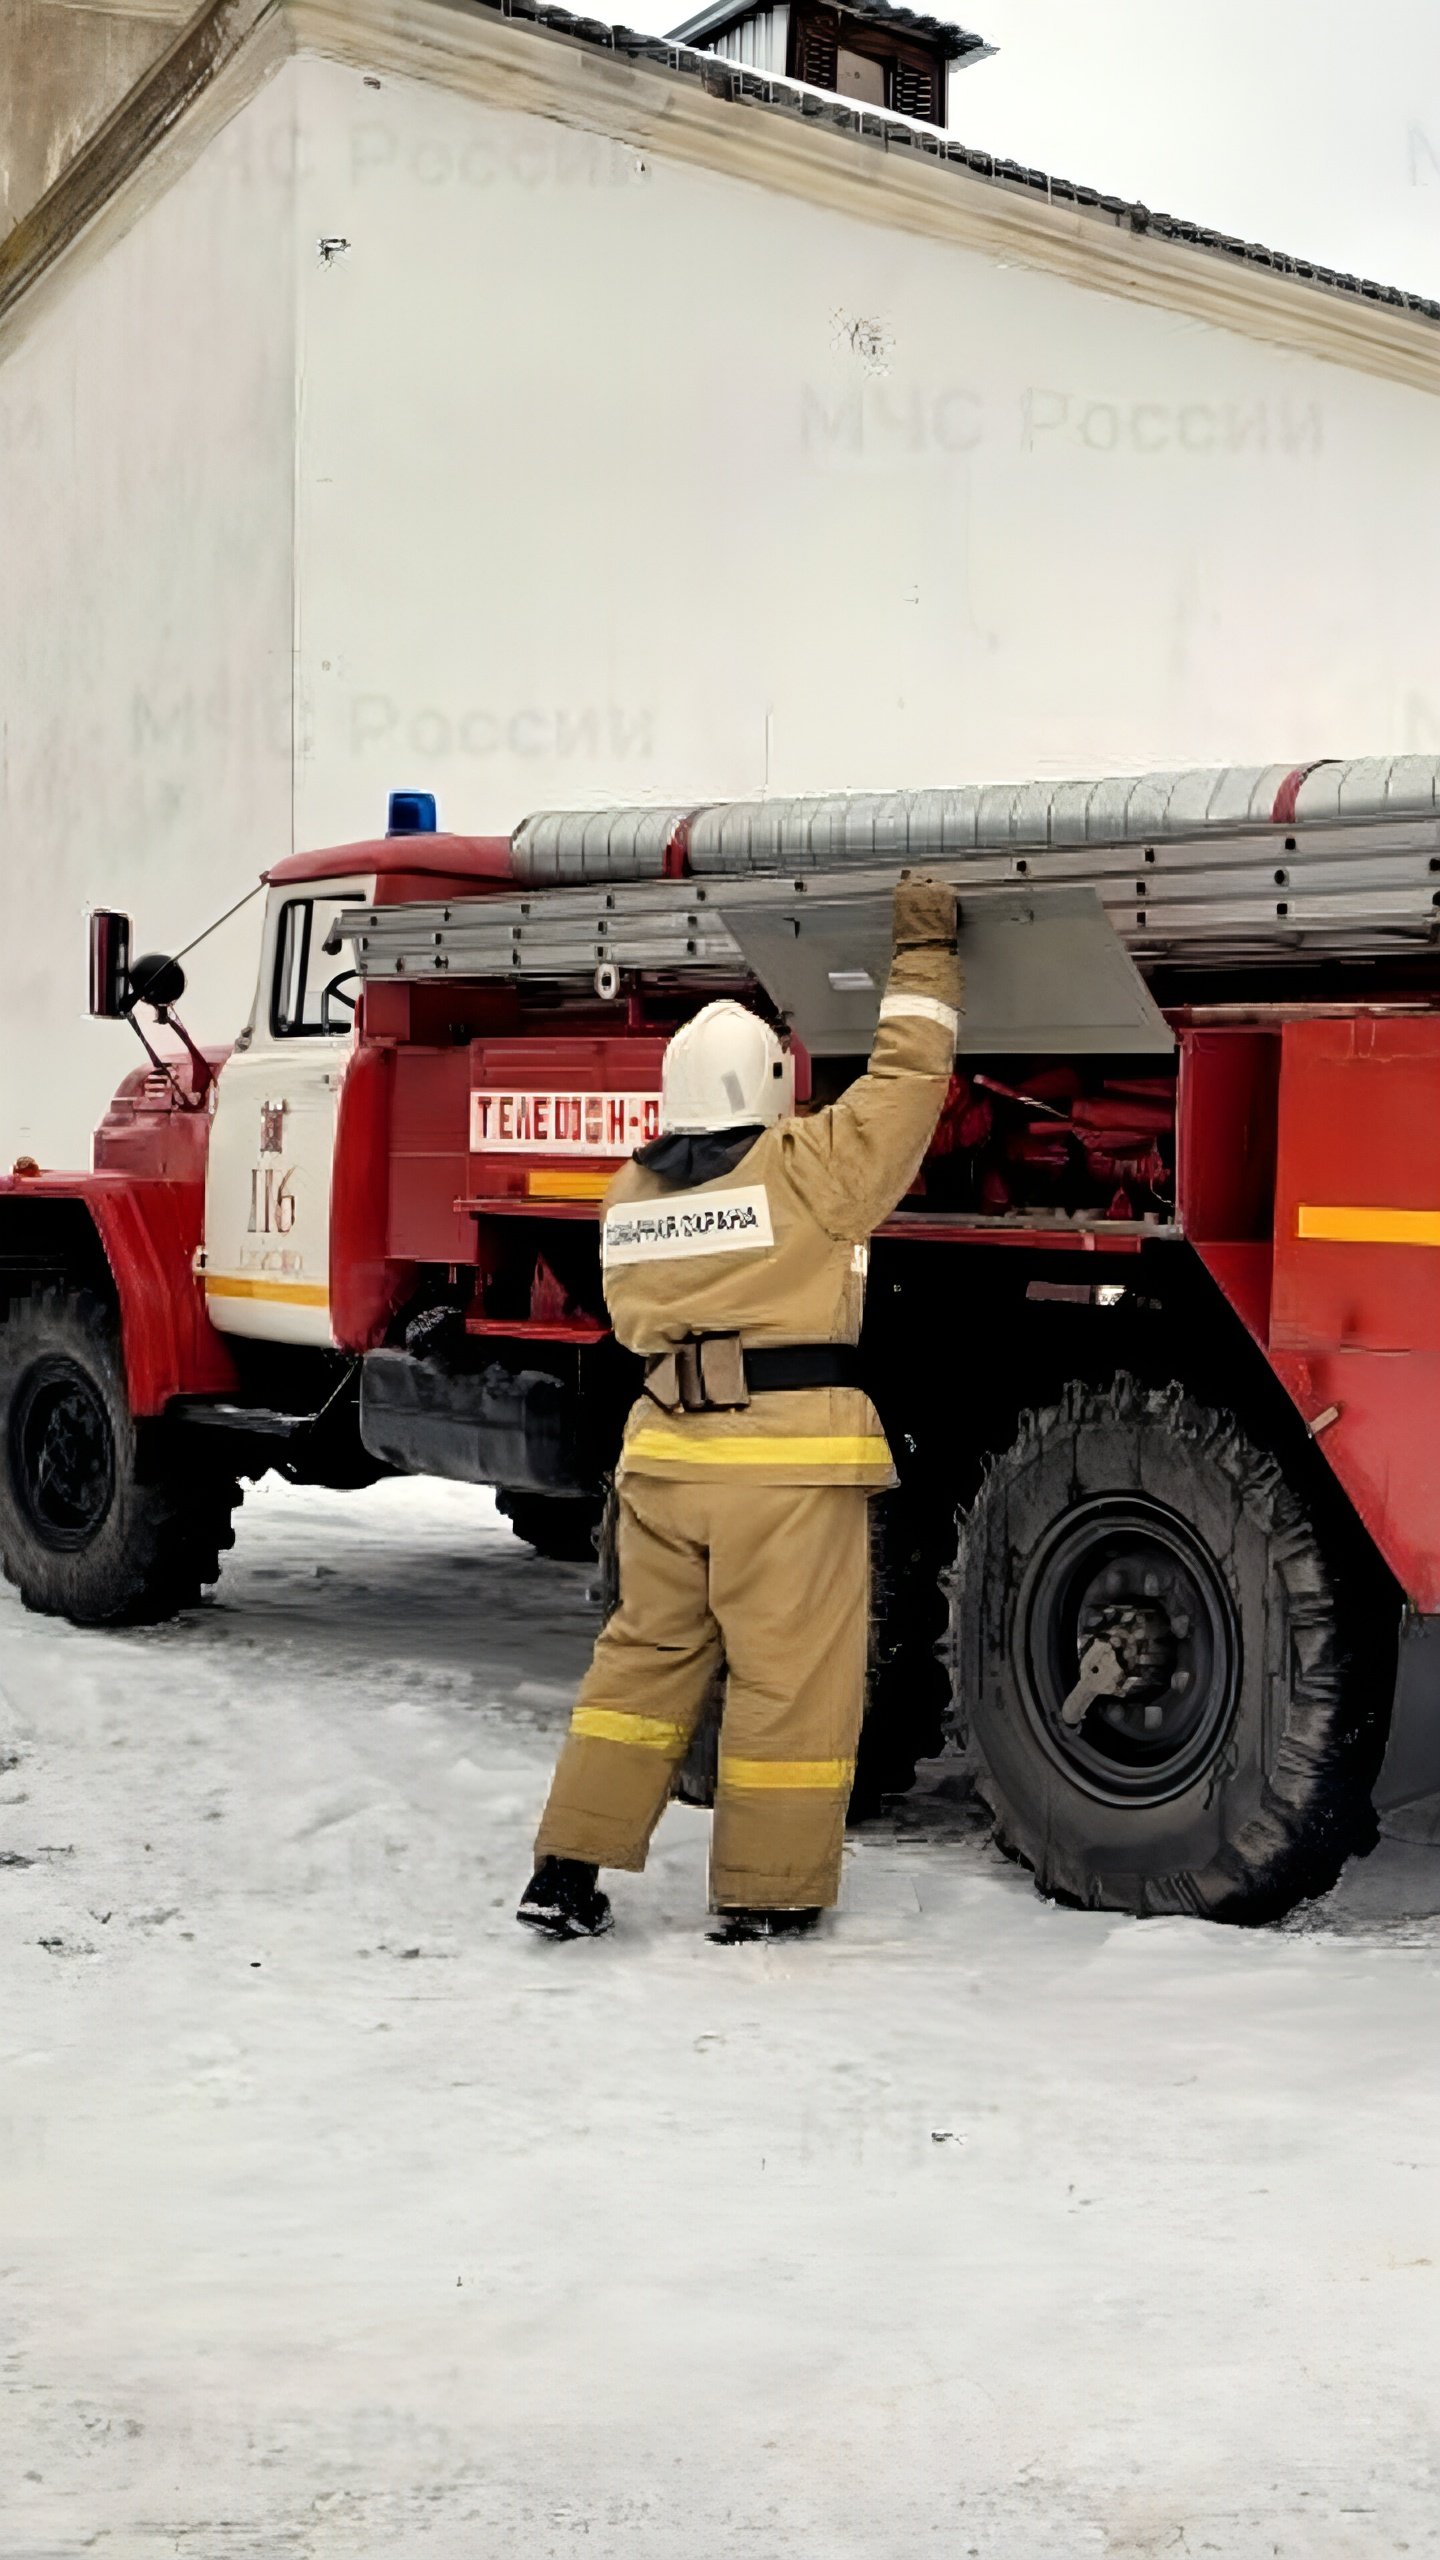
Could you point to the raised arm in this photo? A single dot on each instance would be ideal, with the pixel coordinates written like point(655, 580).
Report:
point(854, 1161)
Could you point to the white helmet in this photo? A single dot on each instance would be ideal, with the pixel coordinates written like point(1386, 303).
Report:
point(725, 1069)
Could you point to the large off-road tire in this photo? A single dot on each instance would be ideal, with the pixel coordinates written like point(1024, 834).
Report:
point(94, 1525)
point(556, 1525)
point(1226, 1772)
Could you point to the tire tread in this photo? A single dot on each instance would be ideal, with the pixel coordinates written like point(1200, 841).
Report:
point(1314, 1808)
point(180, 1519)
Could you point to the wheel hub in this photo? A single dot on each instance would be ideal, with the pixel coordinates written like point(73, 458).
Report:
point(1129, 1649)
point(62, 1453)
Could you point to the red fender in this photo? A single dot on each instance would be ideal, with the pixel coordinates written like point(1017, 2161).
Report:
point(148, 1232)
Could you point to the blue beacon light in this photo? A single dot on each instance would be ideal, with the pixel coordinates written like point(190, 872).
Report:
point(412, 813)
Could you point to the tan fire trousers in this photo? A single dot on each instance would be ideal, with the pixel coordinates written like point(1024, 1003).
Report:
point(774, 1581)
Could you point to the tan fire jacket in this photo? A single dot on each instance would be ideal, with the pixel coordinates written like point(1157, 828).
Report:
point(776, 1251)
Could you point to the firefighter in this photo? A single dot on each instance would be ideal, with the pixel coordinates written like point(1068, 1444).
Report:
point(734, 1250)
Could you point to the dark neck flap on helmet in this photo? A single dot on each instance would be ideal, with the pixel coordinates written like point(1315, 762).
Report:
point(681, 1162)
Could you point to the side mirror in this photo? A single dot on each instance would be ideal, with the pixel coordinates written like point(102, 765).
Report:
point(155, 979)
point(117, 986)
point(109, 964)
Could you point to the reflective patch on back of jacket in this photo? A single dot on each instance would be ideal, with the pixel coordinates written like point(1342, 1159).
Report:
point(662, 1230)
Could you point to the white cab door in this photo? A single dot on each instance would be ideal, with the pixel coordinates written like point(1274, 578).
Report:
point(272, 1137)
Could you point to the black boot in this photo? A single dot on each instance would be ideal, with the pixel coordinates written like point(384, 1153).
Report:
point(563, 1900)
point(741, 1928)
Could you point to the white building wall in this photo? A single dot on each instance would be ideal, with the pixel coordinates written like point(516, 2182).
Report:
point(621, 478)
point(146, 482)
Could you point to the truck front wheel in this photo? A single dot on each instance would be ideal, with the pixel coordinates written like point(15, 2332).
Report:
point(92, 1528)
point(1174, 1693)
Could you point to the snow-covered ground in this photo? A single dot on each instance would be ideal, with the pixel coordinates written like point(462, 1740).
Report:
point(342, 2218)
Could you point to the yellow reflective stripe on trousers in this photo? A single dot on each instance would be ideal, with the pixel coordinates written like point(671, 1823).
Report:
point(611, 1724)
point(759, 1449)
point(785, 1773)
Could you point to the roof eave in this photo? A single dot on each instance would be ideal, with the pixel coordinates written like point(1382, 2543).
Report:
point(698, 107)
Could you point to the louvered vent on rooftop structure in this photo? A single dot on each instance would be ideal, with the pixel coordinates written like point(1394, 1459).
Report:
point(815, 52)
point(916, 87)
point(874, 54)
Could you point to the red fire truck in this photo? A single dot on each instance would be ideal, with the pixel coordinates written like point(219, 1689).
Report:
point(1155, 1337)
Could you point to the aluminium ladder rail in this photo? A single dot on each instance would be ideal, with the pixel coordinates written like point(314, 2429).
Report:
point(1364, 888)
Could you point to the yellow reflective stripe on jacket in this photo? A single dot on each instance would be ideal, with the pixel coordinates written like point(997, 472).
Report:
point(611, 1724)
point(759, 1449)
point(785, 1773)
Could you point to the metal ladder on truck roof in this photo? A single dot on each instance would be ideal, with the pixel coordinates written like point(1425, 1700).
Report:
point(1072, 894)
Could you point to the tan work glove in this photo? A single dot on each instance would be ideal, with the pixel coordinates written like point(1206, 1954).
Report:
point(927, 913)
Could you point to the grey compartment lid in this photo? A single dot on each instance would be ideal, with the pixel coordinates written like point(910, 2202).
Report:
point(1044, 973)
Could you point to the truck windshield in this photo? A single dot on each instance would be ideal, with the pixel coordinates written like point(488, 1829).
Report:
point(315, 989)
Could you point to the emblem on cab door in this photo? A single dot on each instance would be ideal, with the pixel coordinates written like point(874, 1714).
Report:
point(272, 1128)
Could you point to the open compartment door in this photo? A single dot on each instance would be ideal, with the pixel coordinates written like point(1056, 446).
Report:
point(1045, 973)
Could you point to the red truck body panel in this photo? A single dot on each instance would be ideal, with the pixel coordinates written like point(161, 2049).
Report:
point(1310, 1186)
point(465, 1137)
point(1355, 1306)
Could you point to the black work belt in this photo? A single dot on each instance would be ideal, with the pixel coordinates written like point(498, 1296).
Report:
point(714, 1373)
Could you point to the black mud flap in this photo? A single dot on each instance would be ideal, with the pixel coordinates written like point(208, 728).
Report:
point(477, 1426)
point(1407, 1792)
